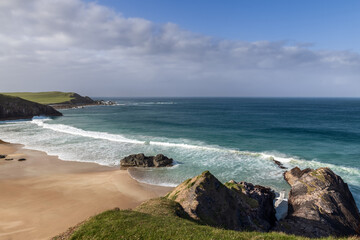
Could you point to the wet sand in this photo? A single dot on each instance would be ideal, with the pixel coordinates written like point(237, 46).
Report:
point(44, 196)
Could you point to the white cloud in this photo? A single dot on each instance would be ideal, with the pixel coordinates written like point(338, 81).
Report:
point(76, 46)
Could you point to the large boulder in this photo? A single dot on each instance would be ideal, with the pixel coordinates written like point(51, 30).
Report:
point(140, 160)
point(237, 206)
point(320, 204)
point(265, 198)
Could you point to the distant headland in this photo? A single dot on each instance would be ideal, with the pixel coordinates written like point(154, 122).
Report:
point(25, 105)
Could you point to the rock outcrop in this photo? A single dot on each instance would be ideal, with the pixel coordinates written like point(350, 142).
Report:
point(237, 206)
point(320, 204)
point(79, 101)
point(140, 160)
point(12, 108)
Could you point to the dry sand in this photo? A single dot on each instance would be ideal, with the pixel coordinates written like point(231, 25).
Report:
point(44, 196)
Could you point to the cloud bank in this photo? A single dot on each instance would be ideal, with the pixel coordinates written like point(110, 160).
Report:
point(71, 45)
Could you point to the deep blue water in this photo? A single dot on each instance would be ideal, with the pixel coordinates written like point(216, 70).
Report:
point(234, 138)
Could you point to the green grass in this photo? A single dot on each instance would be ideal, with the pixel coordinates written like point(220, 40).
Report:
point(158, 219)
point(44, 97)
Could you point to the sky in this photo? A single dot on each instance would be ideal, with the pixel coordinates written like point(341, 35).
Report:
point(162, 48)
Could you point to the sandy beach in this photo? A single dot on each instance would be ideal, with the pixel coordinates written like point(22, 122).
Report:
point(44, 196)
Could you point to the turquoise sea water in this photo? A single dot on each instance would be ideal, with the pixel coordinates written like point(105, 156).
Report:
point(234, 138)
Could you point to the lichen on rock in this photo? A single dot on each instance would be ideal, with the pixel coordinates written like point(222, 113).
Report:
point(320, 204)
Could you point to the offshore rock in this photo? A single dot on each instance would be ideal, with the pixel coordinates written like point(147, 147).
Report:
point(237, 206)
point(140, 160)
point(320, 204)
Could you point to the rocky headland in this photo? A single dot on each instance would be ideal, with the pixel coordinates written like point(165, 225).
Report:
point(79, 101)
point(236, 206)
point(320, 204)
point(12, 108)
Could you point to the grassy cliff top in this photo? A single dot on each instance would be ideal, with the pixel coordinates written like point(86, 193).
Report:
point(158, 219)
point(44, 97)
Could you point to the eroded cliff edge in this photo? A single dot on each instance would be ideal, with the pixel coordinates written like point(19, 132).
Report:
point(12, 108)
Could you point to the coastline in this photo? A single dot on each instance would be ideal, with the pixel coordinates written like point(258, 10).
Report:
point(44, 196)
point(82, 105)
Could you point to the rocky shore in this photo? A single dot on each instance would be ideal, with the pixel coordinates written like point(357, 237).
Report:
point(79, 101)
point(83, 104)
point(320, 204)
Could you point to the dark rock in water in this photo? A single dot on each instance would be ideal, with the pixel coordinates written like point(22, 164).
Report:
point(9, 159)
point(320, 205)
point(162, 161)
point(17, 108)
point(237, 206)
point(2, 156)
point(22, 159)
point(279, 164)
point(140, 160)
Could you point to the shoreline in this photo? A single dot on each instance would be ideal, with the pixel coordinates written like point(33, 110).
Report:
point(75, 106)
point(44, 195)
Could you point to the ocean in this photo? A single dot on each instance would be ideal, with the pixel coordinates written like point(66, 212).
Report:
point(234, 138)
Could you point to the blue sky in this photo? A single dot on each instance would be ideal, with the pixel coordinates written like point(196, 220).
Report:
point(327, 24)
point(166, 48)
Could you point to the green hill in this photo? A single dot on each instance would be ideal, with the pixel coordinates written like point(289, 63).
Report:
point(44, 97)
point(12, 108)
point(157, 219)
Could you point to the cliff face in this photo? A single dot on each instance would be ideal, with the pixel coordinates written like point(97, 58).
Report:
point(320, 205)
point(77, 99)
point(12, 108)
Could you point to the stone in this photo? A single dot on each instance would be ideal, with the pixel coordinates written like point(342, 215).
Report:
point(140, 160)
point(237, 206)
point(2, 156)
point(320, 204)
point(162, 161)
point(278, 163)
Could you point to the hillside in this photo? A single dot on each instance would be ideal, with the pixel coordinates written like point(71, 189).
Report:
point(204, 208)
point(17, 108)
point(160, 219)
point(50, 98)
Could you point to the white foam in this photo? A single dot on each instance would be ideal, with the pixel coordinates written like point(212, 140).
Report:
point(79, 132)
point(288, 161)
point(132, 172)
point(69, 145)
